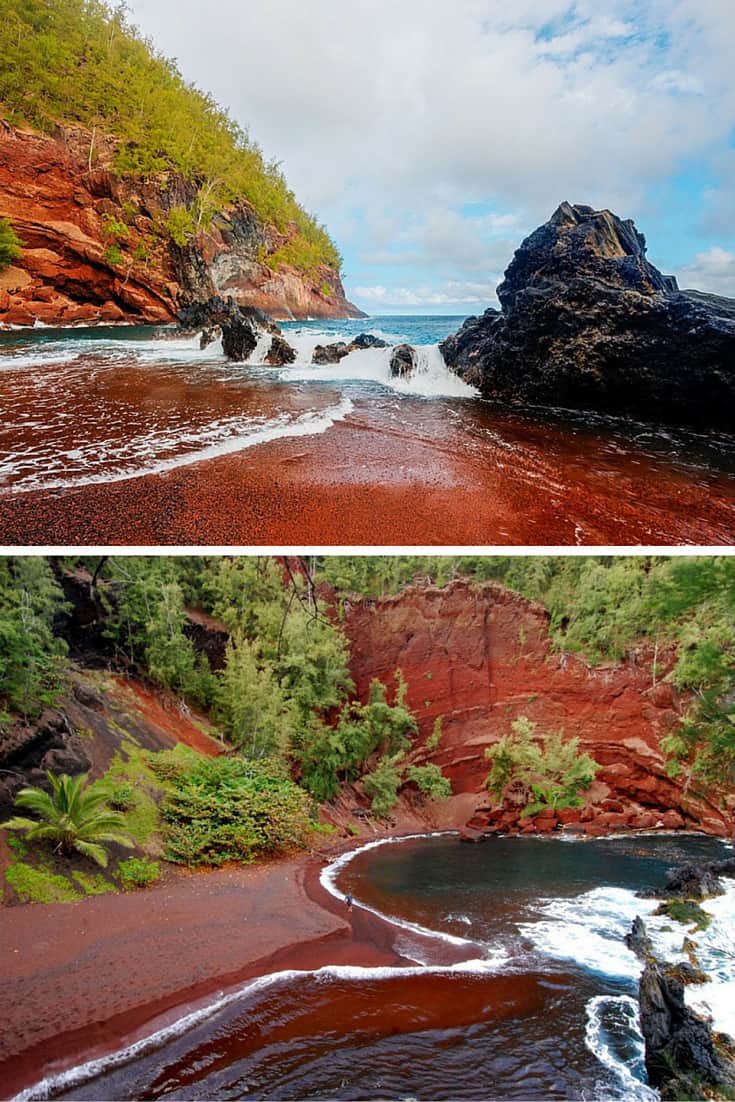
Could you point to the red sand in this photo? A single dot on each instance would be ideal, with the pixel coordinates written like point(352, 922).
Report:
point(397, 477)
point(82, 979)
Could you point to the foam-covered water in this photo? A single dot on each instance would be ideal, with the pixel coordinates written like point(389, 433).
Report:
point(100, 405)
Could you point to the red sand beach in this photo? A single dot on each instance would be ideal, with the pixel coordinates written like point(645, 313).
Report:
point(376, 478)
point(85, 978)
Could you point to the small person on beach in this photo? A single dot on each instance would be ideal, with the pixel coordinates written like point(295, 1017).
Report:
point(348, 901)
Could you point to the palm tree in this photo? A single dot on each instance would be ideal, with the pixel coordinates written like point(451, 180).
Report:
point(72, 816)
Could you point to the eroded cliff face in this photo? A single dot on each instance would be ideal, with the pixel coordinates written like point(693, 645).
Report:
point(72, 214)
point(479, 656)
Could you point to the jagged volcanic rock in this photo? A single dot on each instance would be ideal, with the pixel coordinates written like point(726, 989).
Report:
point(683, 1057)
point(280, 352)
point(330, 353)
point(403, 361)
point(240, 326)
point(367, 340)
point(587, 322)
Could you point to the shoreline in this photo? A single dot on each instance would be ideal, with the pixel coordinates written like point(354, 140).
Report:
point(296, 924)
point(410, 474)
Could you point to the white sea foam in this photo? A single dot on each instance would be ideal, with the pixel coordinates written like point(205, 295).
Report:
point(230, 436)
point(589, 929)
point(430, 379)
point(612, 1034)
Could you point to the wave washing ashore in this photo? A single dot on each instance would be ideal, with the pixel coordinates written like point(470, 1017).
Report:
point(126, 435)
point(500, 972)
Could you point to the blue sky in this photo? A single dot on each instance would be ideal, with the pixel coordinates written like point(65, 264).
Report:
point(431, 138)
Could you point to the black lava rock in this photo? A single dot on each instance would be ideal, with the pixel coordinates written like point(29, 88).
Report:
point(588, 323)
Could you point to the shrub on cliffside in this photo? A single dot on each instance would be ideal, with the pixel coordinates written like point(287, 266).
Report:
point(10, 244)
point(228, 809)
point(552, 770)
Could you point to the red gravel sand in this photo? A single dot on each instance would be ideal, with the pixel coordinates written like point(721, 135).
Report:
point(82, 979)
point(398, 477)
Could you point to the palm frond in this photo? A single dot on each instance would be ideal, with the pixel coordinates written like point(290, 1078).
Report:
point(88, 849)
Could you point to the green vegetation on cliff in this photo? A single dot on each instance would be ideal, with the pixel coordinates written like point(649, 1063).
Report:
point(604, 607)
point(10, 244)
point(80, 61)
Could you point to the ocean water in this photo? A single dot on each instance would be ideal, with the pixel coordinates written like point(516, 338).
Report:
point(538, 1002)
point(96, 405)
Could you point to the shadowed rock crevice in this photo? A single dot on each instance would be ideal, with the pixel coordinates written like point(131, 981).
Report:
point(587, 322)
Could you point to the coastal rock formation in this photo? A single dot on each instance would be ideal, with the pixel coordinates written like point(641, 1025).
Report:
point(239, 326)
point(588, 323)
point(478, 656)
point(330, 353)
point(94, 252)
point(403, 361)
point(333, 353)
point(280, 352)
point(684, 1059)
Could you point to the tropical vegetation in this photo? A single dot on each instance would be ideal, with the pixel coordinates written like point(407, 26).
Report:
point(82, 62)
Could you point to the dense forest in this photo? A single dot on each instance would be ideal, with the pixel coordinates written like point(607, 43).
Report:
point(282, 703)
point(81, 62)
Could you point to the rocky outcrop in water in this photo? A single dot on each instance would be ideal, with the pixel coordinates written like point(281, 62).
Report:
point(403, 361)
point(588, 323)
point(695, 881)
point(684, 1058)
point(240, 327)
point(330, 353)
point(280, 352)
point(94, 251)
point(333, 353)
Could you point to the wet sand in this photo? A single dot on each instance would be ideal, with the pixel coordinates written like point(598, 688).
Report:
point(84, 979)
point(408, 473)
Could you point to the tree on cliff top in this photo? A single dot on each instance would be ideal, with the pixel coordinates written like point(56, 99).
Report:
point(10, 244)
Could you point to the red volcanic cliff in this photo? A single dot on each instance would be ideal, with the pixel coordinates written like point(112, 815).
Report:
point(96, 248)
point(479, 656)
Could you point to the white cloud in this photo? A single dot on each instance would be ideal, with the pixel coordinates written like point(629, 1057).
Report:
point(386, 113)
point(451, 293)
point(713, 271)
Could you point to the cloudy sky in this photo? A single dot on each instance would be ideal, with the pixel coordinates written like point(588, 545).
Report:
point(431, 136)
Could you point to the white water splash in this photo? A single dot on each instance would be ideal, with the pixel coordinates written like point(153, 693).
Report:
point(613, 1035)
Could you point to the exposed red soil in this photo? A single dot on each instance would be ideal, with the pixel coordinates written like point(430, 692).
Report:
point(368, 482)
point(479, 656)
point(168, 715)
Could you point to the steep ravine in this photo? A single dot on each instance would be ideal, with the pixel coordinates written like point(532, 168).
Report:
point(65, 211)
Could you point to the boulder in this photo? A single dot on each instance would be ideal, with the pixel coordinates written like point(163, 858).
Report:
point(588, 323)
point(330, 353)
point(367, 340)
point(240, 326)
point(403, 361)
point(280, 352)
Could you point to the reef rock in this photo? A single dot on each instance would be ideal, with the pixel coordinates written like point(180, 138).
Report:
point(367, 340)
point(683, 1057)
point(588, 323)
point(403, 361)
point(239, 326)
point(280, 352)
point(330, 353)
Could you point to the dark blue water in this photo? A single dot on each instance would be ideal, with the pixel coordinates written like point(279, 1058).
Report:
point(396, 329)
